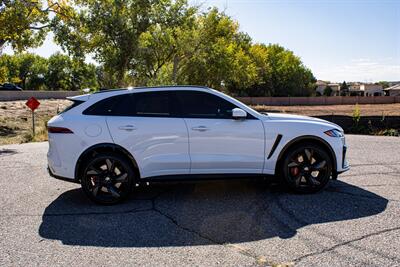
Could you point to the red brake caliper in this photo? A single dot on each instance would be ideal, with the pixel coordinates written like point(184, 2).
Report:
point(294, 171)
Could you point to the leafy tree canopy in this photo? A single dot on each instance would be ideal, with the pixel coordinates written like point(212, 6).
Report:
point(147, 42)
point(58, 72)
point(25, 23)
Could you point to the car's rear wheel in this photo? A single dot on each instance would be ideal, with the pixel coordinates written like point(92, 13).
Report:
point(107, 178)
point(307, 168)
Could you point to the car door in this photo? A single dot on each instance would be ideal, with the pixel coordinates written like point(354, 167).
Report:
point(144, 124)
point(218, 143)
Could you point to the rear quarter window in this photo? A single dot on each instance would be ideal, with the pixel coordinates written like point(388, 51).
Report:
point(111, 106)
point(74, 104)
point(146, 104)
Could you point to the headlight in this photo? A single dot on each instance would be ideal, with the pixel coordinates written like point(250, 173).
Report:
point(334, 133)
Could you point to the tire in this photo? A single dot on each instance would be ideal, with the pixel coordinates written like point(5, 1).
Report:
point(306, 168)
point(107, 178)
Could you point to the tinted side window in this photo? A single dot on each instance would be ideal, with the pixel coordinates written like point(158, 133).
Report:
point(109, 106)
point(204, 105)
point(155, 104)
point(147, 104)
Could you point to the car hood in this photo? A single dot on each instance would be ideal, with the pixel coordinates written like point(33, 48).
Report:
point(290, 117)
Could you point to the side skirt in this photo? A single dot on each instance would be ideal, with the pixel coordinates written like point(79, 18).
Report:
point(203, 177)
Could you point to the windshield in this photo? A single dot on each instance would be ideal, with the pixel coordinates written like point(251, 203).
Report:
point(240, 104)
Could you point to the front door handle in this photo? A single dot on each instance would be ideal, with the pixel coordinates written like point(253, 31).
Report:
point(127, 128)
point(200, 128)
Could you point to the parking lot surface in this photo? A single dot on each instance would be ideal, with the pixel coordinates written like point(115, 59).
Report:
point(354, 221)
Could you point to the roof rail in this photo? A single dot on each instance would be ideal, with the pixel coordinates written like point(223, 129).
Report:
point(109, 90)
point(149, 87)
point(170, 86)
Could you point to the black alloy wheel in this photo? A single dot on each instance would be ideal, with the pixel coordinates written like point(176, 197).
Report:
point(307, 168)
point(107, 179)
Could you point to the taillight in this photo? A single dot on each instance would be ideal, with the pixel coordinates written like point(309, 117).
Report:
point(59, 130)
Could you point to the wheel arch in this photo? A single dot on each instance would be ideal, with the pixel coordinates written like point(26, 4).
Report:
point(304, 139)
point(92, 151)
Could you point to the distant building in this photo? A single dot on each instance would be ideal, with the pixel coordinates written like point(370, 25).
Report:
point(393, 90)
point(393, 83)
point(371, 89)
point(335, 89)
point(321, 86)
point(355, 89)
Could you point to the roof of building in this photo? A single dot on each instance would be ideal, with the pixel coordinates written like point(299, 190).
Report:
point(394, 87)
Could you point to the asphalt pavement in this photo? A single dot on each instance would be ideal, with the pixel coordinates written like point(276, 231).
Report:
point(353, 222)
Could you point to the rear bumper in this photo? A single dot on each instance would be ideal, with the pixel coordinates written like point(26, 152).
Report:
point(51, 173)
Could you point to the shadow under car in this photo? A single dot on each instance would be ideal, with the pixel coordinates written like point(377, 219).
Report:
point(187, 214)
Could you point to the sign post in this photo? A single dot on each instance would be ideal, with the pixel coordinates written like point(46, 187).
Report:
point(33, 104)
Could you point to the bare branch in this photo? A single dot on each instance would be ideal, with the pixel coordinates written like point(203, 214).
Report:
point(39, 28)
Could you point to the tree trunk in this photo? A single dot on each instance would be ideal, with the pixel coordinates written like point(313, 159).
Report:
point(2, 44)
point(175, 69)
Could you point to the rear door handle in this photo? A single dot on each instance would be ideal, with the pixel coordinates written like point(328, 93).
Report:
point(127, 128)
point(200, 128)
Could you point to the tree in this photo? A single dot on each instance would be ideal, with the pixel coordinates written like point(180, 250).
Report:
point(31, 70)
point(25, 69)
point(111, 31)
point(25, 24)
point(344, 89)
point(163, 45)
point(8, 69)
point(59, 74)
point(65, 73)
point(218, 56)
point(328, 91)
point(384, 84)
point(83, 76)
point(280, 73)
point(155, 42)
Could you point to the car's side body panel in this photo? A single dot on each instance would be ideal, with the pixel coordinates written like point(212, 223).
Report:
point(300, 129)
point(226, 145)
point(65, 149)
point(159, 145)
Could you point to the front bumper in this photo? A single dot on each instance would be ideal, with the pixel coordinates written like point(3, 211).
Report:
point(344, 165)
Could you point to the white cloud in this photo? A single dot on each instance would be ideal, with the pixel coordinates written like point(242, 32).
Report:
point(362, 69)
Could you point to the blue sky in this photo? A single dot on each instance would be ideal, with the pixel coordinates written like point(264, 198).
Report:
point(338, 40)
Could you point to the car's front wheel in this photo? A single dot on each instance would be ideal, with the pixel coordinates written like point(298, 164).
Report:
point(307, 168)
point(107, 178)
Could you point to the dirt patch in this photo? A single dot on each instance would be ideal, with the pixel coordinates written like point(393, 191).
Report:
point(16, 120)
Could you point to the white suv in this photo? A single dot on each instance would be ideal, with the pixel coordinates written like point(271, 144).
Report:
point(112, 140)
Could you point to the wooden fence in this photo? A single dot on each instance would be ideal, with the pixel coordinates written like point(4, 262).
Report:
point(269, 101)
point(319, 100)
point(24, 95)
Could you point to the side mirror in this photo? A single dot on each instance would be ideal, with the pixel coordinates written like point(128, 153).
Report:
point(238, 114)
